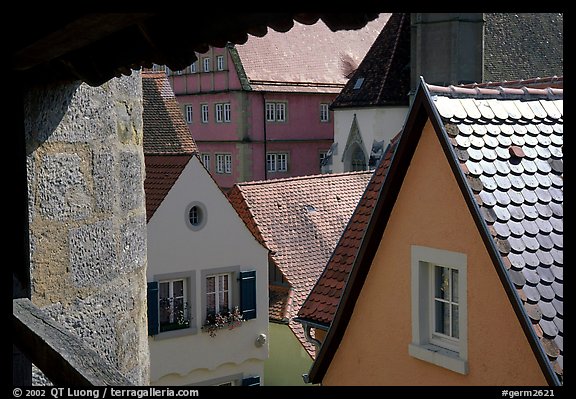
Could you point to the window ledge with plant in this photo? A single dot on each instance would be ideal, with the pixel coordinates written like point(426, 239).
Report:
point(223, 319)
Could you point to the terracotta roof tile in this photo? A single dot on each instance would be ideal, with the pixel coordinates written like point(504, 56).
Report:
point(300, 220)
point(168, 145)
point(307, 57)
point(320, 306)
point(165, 131)
point(517, 198)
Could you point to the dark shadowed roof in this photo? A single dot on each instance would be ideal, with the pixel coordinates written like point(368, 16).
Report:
point(383, 77)
point(505, 147)
point(522, 45)
point(299, 220)
point(94, 47)
point(306, 58)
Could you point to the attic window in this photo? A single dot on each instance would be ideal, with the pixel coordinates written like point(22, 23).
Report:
point(358, 83)
point(195, 216)
point(310, 208)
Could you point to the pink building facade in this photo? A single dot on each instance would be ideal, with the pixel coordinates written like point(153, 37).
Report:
point(260, 111)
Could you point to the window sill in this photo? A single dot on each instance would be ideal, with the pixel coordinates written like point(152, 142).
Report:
point(176, 333)
point(439, 356)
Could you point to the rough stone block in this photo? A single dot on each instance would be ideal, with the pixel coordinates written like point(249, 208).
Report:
point(131, 180)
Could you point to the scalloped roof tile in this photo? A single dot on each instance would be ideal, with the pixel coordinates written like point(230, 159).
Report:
point(512, 164)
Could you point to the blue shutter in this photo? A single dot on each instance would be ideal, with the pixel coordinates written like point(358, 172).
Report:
point(251, 381)
point(248, 294)
point(153, 312)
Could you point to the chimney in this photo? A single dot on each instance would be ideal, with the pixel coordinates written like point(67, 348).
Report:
point(447, 48)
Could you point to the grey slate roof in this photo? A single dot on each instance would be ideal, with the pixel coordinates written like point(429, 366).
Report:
point(509, 144)
point(523, 45)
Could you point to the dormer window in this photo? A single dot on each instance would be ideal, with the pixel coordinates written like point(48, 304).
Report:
point(358, 83)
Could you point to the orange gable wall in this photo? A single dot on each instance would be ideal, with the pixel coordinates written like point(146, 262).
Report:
point(430, 211)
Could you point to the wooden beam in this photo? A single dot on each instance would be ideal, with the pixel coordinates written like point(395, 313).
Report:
point(61, 355)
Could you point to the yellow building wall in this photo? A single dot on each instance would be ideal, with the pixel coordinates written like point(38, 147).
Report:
point(430, 211)
point(287, 360)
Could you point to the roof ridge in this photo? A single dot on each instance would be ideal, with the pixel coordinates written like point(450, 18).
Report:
point(305, 177)
point(503, 92)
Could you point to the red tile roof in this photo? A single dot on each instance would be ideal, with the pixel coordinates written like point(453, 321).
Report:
point(320, 306)
point(307, 57)
point(165, 131)
point(168, 145)
point(300, 220)
point(515, 198)
point(384, 71)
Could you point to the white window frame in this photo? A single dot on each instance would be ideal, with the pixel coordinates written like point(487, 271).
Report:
point(220, 62)
point(227, 112)
point(204, 111)
point(324, 112)
point(276, 111)
point(426, 345)
point(280, 112)
point(188, 112)
point(218, 289)
point(184, 295)
point(224, 163)
point(189, 278)
point(277, 162)
point(194, 67)
point(270, 112)
point(206, 161)
point(206, 64)
point(321, 157)
point(219, 113)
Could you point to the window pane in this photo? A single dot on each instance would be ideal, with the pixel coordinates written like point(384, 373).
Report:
point(455, 322)
point(441, 282)
point(210, 284)
point(164, 290)
point(454, 285)
point(442, 315)
point(178, 288)
point(211, 303)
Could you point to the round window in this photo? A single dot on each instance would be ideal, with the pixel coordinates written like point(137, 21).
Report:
point(195, 216)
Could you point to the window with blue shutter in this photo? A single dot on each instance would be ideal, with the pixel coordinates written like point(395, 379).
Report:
point(153, 312)
point(248, 294)
point(251, 381)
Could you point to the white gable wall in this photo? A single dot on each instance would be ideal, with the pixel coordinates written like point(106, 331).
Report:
point(376, 123)
point(223, 242)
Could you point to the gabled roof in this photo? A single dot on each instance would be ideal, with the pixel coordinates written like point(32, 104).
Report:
point(383, 77)
point(299, 220)
point(505, 148)
point(168, 145)
point(308, 58)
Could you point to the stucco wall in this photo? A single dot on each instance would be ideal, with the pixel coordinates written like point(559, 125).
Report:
point(87, 215)
point(224, 241)
point(288, 358)
point(378, 124)
point(430, 211)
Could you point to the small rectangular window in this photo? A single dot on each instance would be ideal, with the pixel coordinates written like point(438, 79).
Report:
point(227, 112)
point(174, 308)
point(218, 294)
point(224, 163)
point(188, 112)
point(280, 112)
point(206, 161)
point(324, 113)
point(207, 63)
point(277, 162)
point(204, 112)
point(220, 62)
point(194, 67)
point(270, 112)
point(219, 113)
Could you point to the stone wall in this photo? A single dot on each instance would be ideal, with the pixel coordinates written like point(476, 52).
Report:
point(87, 215)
